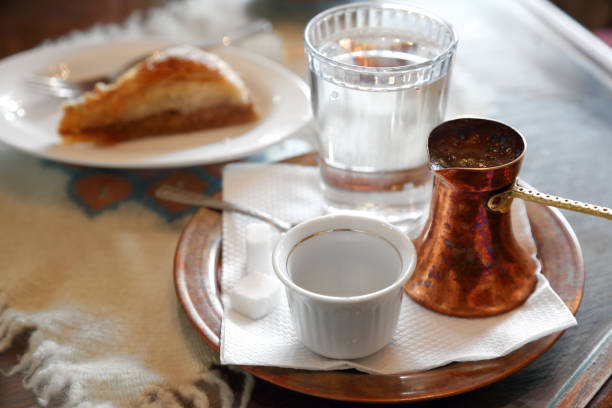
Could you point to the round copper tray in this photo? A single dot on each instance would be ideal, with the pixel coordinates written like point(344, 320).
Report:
point(197, 281)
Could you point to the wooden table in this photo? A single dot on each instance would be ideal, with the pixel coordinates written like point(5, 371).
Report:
point(566, 115)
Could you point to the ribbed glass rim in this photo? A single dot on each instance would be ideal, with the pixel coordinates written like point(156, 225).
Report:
point(443, 55)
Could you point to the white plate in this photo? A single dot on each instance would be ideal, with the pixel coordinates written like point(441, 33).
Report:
point(29, 121)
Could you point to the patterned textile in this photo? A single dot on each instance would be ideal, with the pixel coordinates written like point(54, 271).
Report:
point(86, 263)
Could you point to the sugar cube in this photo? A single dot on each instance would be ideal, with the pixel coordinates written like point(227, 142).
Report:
point(259, 248)
point(255, 295)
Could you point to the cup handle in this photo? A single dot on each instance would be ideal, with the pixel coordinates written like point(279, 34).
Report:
point(500, 202)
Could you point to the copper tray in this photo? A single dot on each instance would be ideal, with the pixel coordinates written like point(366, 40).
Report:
point(197, 275)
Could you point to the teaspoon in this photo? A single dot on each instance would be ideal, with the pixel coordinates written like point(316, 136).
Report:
point(183, 196)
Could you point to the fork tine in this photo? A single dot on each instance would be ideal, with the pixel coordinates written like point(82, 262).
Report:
point(55, 92)
point(46, 89)
point(54, 86)
point(79, 86)
point(82, 86)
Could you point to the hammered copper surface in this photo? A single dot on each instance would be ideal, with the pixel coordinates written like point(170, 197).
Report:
point(197, 276)
point(469, 262)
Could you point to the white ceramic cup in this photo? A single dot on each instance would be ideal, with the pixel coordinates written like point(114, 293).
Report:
point(344, 278)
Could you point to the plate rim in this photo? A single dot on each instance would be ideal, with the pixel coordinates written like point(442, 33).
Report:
point(49, 50)
point(263, 372)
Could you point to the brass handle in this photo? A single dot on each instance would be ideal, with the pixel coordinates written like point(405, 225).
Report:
point(501, 201)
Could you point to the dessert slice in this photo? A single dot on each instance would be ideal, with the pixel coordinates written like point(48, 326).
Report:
point(180, 89)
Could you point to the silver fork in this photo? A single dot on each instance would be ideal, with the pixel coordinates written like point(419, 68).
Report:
point(65, 88)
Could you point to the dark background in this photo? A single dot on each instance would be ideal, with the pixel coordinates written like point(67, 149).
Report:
point(25, 24)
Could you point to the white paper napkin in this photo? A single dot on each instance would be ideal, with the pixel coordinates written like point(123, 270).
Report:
point(423, 339)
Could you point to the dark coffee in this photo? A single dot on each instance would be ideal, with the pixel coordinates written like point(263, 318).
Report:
point(475, 147)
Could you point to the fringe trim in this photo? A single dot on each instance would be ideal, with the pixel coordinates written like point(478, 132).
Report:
point(247, 390)
point(43, 360)
point(192, 395)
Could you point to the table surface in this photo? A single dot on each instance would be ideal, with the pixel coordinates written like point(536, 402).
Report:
point(511, 67)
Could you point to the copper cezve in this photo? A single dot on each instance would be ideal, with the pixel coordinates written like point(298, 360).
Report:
point(469, 261)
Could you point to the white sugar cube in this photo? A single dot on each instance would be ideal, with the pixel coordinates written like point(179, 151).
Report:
point(258, 293)
point(255, 295)
point(259, 248)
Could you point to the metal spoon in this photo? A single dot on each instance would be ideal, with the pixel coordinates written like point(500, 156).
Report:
point(182, 196)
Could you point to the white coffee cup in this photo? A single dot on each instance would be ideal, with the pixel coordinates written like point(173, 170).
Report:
point(344, 278)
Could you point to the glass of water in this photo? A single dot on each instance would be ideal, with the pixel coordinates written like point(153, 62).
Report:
point(379, 84)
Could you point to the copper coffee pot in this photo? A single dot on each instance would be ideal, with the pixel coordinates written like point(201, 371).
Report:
point(469, 261)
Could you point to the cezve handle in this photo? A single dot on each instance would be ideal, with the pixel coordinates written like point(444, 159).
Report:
point(501, 201)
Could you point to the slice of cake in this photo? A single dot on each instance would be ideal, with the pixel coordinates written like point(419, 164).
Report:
point(179, 89)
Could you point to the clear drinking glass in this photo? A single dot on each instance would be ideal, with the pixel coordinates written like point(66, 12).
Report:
point(379, 82)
